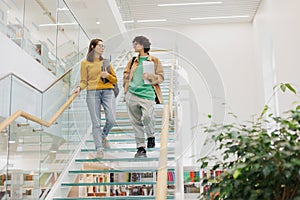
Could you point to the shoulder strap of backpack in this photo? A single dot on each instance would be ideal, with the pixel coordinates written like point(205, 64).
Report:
point(133, 58)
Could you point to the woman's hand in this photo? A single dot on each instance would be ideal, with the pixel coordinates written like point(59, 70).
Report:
point(76, 90)
point(104, 74)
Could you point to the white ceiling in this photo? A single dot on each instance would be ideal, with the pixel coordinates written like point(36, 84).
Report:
point(112, 13)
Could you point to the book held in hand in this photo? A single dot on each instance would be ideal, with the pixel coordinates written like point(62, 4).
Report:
point(148, 67)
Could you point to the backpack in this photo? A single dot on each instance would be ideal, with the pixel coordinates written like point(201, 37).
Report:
point(106, 64)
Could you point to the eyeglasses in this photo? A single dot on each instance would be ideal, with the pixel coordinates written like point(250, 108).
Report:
point(101, 45)
point(135, 43)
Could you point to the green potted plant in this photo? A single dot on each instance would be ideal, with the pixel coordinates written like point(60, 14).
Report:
point(260, 160)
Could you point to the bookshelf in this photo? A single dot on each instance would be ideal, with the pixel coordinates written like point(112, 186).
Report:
point(132, 177)
point(94, 190)
point(101, 190)
point(211, 176)
point(17, 184)
point(191, 177)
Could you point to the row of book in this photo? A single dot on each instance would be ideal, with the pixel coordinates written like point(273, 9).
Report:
point(171, 176)
point(132, 190)
point(132, 177)
point(191, 176)
point(211, 174)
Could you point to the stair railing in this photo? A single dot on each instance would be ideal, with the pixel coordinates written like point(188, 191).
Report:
point(162, 173)
point(21, 113)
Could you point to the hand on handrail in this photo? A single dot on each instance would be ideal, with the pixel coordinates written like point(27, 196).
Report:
point(76, 90)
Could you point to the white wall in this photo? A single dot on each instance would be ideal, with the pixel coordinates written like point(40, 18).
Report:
point(277, 31)
point(232, 49)
point(14, 59)
point(252, 57)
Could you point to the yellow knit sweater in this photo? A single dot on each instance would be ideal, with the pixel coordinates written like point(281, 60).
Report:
point(90, 76)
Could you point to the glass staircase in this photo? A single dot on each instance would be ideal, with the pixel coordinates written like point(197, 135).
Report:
point(119, 175)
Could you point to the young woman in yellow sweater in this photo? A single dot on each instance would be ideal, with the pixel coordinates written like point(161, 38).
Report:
point(99, 84)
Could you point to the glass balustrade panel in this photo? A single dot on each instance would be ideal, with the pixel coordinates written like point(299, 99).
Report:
point(46, 30)
point(40, 32)
point(11, 20)
point(5, 96)
point(23, 142)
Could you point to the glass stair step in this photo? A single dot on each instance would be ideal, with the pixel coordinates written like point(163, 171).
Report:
point(129, 126)
point(38, 151)
point(114, 171)
point(111, 198)
point(130, 129)
point(130, 132)
point(81, 160)
point(126, 140)
point(120, 126)
point(125, 145)
point(113, 183)
point(170, 149)
point(128, 123)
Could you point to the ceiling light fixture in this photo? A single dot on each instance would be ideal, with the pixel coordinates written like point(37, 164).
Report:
point(59, 24)
point(63, 9)
point(221, 17)
point(151, 20)
point(189, 4)
point(97, 21)
point(129, 21)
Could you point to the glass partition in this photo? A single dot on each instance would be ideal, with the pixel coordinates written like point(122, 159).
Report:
point(33, 156)
point(46, 30)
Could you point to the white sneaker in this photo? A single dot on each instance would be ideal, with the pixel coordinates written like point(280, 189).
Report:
point(105, 143)
point(99, 153)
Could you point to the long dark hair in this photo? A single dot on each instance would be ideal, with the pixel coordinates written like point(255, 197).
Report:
point(90, 54)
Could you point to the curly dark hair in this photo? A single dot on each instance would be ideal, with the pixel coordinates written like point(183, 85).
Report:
point(142, 40)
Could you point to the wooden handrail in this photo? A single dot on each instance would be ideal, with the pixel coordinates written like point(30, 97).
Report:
point(162, 176)
point(170, 103)
point(30, 117)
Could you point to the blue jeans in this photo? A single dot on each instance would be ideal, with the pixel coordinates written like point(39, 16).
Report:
point(94, 99)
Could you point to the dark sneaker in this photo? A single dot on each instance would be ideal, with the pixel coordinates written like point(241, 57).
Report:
point(151, 142)
point(141, 153)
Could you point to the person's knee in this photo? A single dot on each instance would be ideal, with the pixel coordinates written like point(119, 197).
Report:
point(111, 121)
point(96, 123)
point(96, 126)
point(147, 120)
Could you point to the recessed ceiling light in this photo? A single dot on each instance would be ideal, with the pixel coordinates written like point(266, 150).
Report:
point(59, 24)
point(189, 4)
point(129, 21)
point(220, 17)
point(151, 20)
point(63, 9)
point(97, 21)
